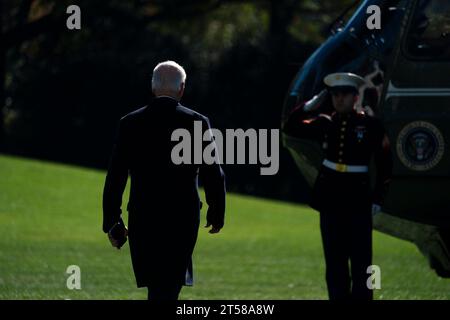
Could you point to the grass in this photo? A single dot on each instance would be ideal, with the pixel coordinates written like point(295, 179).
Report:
point(50, 218)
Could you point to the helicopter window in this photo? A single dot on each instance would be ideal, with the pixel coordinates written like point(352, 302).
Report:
point(377, 40)
point(429, 34)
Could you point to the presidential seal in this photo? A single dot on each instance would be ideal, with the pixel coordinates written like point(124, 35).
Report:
point(420, 146)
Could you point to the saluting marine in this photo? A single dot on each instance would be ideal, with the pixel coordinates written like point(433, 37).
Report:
point(342, 192)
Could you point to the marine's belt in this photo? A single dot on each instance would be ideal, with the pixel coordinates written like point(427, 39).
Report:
point(340, 167)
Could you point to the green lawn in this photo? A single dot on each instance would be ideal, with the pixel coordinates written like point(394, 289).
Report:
point(50, 218)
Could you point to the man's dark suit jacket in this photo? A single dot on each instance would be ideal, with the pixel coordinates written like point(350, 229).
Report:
point(164, 205)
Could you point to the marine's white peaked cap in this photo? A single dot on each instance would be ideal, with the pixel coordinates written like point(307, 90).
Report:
point(344, 79)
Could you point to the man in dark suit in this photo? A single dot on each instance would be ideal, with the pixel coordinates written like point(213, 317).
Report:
point(164, 205)
point(342, 192)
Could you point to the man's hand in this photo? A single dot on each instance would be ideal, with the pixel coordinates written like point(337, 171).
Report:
point(113, 241)
point(213, 229)
point(118, 242)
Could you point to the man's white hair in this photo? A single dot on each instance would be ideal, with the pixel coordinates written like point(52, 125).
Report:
point(168, 76)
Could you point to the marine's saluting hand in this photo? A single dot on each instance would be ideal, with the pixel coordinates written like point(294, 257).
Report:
point(316, 102)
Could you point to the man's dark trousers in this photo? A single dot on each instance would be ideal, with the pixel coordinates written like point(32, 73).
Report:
point(164, 292)
point(346, 229)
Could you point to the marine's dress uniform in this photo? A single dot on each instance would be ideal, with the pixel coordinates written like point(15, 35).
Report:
point(343, 194)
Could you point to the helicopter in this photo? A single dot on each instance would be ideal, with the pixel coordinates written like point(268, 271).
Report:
point(406, 65)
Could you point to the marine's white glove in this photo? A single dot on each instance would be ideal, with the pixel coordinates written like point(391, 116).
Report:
point(375, 209)
point(315, 102)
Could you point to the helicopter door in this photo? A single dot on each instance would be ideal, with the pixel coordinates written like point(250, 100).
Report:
point(416, 107)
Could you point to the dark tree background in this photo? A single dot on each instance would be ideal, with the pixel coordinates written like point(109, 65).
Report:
point(63, 91)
